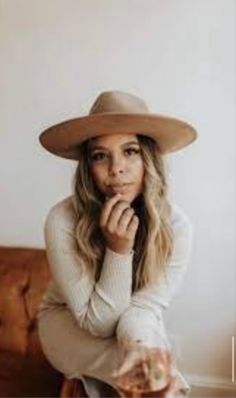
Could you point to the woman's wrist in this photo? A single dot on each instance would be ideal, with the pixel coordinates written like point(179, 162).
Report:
point(120, 251)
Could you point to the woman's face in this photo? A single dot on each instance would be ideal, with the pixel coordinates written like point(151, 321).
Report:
point(116, 165)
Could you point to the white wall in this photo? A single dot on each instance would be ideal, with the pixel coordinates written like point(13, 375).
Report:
point(179, 55)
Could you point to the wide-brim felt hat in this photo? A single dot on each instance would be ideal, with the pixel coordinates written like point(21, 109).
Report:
point(117, 112)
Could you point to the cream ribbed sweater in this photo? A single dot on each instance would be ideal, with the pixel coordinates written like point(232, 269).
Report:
point(97, 307)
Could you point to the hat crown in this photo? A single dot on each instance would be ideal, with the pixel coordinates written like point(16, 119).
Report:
point(118, 102)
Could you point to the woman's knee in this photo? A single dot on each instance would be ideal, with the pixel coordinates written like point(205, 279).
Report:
point(142, 325)
point(74, 351)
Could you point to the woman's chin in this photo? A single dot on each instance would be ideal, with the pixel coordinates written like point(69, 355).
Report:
point(127, 196)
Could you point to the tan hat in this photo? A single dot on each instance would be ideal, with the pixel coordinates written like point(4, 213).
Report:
point(117, 112)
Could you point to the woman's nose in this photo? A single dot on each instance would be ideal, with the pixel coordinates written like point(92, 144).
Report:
point(116, 166)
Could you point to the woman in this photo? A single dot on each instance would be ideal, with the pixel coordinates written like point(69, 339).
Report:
point(117, 248)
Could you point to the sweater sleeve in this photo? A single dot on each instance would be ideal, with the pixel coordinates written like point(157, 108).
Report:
point(95, 306)
point(142, 320)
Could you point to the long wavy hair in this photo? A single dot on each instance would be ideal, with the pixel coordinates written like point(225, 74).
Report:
point(154, 238)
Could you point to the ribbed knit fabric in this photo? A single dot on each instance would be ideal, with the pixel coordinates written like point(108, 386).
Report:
point(96, 307)
point(108, 307)
point(147, 304)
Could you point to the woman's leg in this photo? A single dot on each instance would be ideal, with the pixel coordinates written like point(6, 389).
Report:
point(74, 351)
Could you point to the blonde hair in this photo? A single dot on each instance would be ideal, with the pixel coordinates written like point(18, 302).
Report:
point(153, 244)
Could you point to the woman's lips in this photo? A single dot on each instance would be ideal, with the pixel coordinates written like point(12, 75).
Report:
point(119, 188)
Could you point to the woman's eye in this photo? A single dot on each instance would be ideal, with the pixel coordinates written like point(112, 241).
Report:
point(100, 156)
point(132, 150)
point(97, 156)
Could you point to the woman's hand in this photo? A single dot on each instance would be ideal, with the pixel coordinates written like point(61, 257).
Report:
point(118, 224)
point(146, 372)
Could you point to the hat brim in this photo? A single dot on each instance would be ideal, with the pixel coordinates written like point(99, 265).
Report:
point(63, 138)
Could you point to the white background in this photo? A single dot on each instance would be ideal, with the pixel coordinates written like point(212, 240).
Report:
point(179, 56)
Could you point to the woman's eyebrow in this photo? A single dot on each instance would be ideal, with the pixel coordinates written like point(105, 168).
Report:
point(122, 146)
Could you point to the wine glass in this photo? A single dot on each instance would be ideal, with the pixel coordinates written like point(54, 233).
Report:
point(144, 371)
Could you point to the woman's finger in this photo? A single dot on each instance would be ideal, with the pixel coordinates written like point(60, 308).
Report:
point(131, 359)
point(117, 214)
point(132, 226)
point(125, 220)
point(107, 208)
